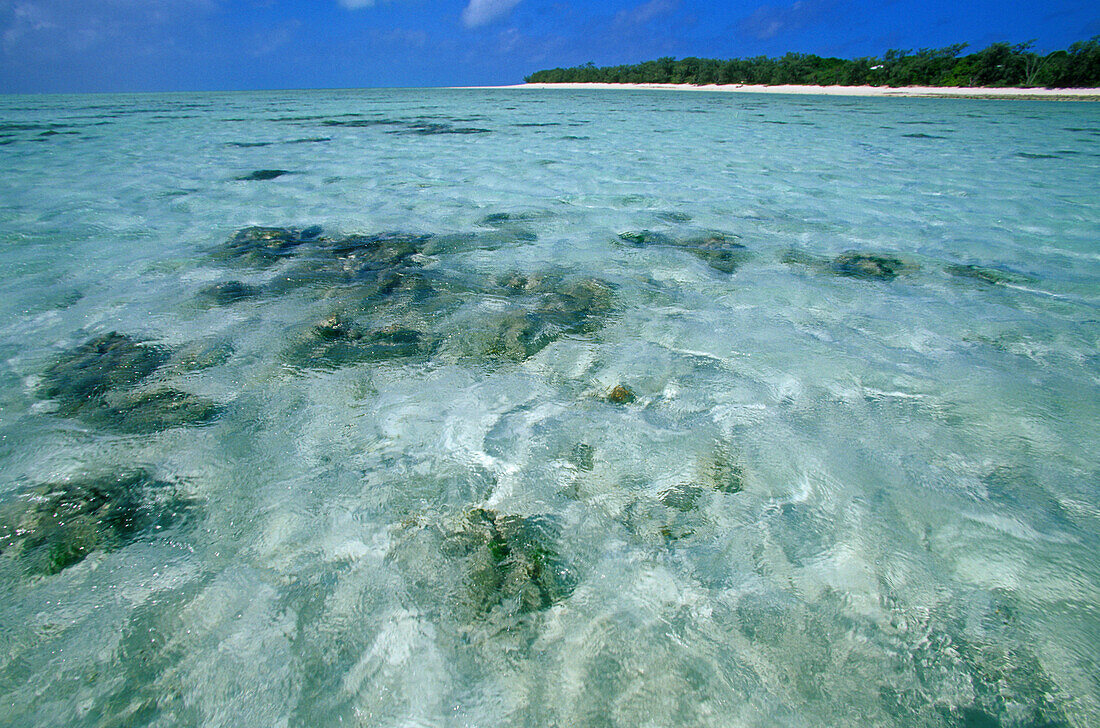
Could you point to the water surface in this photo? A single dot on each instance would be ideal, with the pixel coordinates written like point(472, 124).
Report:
point(545, 408)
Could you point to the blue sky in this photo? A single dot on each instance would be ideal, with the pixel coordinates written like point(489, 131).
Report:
point(167, 45)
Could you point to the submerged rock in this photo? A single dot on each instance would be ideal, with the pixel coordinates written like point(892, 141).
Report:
point(682, 496)
point(426, 128)
point(852, 264)
point(577, 307)
point(547, 309)
point(499, 219)
point(336, 341)
point(718, 250)
point(659, 523)
point(494, 239)
point(583, 456)
point(507, 564)
point(227, 292)
point(722, 474)
point(490, 575)
point(800, 257)
point(148, 411)
point(510, 562)
point(621, 394)
point(386, 249)
point(263, 174)
point(991, 276)
point(264, 246)
point(673, 216)
point(95, 381)
point(642, 238)
point(377, 261)
point(867, 266)
point(52, 526)
point(528, 283)
point(519, 335)
point(200, 354)
point(102, 363)
point(989, 652)
point(717, 473)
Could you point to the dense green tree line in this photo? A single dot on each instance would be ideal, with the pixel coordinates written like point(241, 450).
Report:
point(1000, 64)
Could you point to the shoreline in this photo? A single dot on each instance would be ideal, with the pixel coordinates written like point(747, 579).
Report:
point(973, 92)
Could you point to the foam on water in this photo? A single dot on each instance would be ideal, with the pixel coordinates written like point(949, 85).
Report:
point(832, 486)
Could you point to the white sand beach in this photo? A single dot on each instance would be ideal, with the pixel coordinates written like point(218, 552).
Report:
point(1089, 94)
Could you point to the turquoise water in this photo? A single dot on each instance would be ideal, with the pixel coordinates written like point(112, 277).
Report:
point(579, 409)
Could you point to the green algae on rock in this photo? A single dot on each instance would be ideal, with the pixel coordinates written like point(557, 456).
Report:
point(261, 247)
point(483, 570)
point(642, 238)
point(95, 383)
point(991, 276)
point(852, 264)
point(102, 363)
point(546, 309)
point(227, 292)
point(867, 266)
point(149, 411)
point(722, 474)
point(52, 526)
point(337, 341)
point(719, 250)
point(200, 354)
point(508, 560)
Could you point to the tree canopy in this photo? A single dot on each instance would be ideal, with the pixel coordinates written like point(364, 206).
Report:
point(999, 65)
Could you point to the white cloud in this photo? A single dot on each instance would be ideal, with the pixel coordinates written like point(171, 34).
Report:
point(273, 39)
point(768, 21)
point(645, 12)
point(58, 27)
point(480, 12)
point(355, 4)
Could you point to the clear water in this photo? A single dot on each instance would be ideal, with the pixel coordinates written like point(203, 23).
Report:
point(835, 499)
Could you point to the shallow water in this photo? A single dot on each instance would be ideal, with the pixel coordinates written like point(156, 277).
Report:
point(396, 486)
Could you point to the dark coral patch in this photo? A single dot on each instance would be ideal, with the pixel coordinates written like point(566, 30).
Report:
point(52, 526)
point(95, 382)
point(264, 246)
point(991, 276)
point(261, 175)
point(867, 266)
point(337, 341)
point(100, 364)
point(227, 292)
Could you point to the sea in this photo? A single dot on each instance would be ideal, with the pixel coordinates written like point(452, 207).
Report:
point(491, 407)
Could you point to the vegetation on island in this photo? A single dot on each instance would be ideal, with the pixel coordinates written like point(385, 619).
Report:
point(999, 65)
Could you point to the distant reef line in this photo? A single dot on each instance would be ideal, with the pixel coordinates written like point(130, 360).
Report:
point(999, 66)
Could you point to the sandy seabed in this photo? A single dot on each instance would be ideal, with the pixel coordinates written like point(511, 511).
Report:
point(1089, 94)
